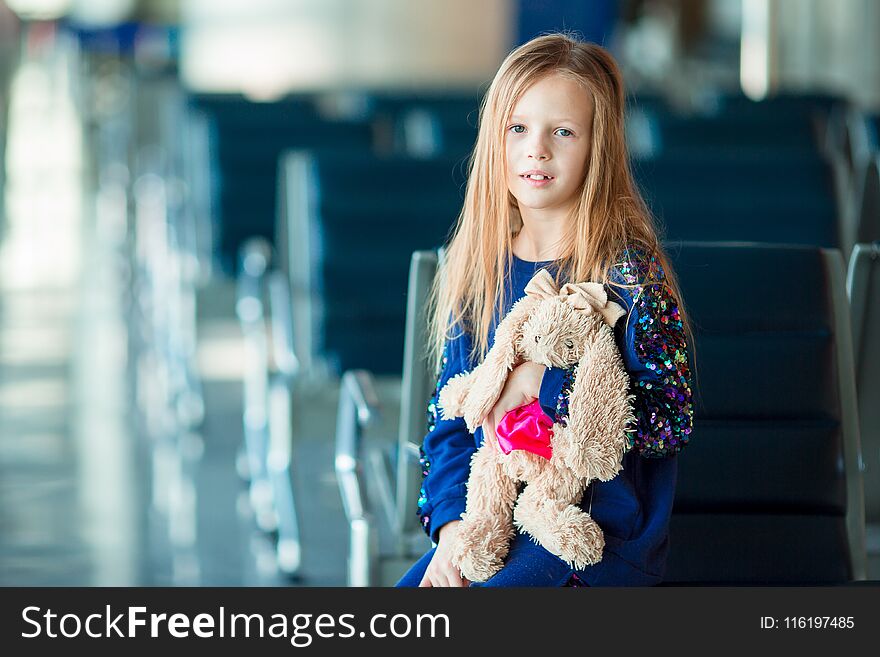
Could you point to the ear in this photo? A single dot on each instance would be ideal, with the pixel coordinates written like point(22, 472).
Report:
point(592, 297)
point(600, 412)
point(541, 286)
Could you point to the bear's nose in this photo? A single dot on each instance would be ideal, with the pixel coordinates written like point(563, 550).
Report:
point(537, 339)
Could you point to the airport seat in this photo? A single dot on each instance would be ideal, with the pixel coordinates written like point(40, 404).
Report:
point(348, 227)
point(379, 493)
point(817, 105)
point(262, 306)
point(429, 125)
point(753, 197)
point(873, 123)
point(868, 202)
point(336, 288)
point(770, 489)
point(863, 288)
point(247, 140)
point(672, 133)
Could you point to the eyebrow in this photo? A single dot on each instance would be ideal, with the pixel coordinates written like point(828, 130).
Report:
point(562, 120)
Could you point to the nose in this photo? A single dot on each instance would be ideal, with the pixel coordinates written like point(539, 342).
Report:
point(538, 150)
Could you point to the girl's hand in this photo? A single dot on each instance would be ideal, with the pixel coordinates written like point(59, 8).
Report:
point(441, 572)
point(522, 387)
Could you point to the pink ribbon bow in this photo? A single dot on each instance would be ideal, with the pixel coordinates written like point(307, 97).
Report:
point(528, 428)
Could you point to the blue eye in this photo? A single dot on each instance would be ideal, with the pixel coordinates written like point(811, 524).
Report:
point(516, 126)
point(565, 130)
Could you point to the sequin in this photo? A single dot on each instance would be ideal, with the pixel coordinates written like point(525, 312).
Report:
point(432, 403)
point(663, 408)
point(424, 461)
point(575, 581)
point(561, 414)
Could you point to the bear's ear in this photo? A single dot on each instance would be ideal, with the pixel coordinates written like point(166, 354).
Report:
point(542, 286)
point(592, 297)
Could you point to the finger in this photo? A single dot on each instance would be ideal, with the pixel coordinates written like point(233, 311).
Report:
point(430, 577)
point(489, 435)
point(453, 578)
point(491, 423)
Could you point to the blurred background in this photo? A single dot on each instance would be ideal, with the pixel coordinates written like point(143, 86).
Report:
point(210, 326)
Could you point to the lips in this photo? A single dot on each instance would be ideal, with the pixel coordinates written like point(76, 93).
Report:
point(527, 175)
point(546, 178)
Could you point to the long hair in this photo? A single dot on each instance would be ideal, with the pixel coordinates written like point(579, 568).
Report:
point(609, 215)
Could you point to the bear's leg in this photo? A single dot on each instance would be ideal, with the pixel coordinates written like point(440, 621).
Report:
point(486, 529)
point(547, 512)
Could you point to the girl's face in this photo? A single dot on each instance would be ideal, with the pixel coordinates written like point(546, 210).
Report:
point(549, 132)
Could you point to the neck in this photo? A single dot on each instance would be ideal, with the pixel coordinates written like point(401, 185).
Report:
point(540, 238)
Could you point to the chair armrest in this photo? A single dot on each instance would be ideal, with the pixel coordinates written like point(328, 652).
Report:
point(254, 257)
point(358, 407)
point(281, 318)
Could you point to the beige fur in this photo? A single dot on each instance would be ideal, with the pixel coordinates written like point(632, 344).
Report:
point(556, 328)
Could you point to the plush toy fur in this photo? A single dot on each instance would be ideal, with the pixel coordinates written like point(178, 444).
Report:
point(557, 328)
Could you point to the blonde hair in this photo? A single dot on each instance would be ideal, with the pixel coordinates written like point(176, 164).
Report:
point(609, 216)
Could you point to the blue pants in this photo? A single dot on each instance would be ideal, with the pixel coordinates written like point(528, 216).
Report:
point(527, 564)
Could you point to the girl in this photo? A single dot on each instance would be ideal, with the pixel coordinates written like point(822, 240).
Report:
point(550, 186)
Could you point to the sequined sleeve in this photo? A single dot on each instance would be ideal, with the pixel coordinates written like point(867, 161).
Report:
point(446, 451)
point(655, 352)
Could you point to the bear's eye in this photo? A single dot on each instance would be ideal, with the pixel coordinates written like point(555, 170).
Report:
point(537, 339)
point(569, 344)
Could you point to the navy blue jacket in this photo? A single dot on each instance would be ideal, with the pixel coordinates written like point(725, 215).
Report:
point(634, 508)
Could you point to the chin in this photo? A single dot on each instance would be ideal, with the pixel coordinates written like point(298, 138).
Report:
point(544, 204)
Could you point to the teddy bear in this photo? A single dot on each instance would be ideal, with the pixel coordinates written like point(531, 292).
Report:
point(571, 327)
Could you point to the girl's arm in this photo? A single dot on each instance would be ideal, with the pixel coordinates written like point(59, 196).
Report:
point(446, 450)
point(655, 352)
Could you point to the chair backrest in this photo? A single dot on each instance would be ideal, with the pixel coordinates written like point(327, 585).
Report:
point(417, 386)
point(745, 197)
point(349, 226)
point(863, 287)
point(428, 125)
point(247, 140)
point(868, 224)
point(674, 133)
point(769, 490)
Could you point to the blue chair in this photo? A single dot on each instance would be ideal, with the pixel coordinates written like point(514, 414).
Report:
point(429, 125)
point(863, 289)
point(247, 140)
point(742, 197)
point(770, 489)
point(379, 484)
point(347, 229)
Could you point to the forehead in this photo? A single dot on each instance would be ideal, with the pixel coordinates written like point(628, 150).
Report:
point(554, 97)
point(554, 311)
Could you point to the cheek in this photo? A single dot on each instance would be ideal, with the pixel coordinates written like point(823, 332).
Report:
point(584, 163)
point(578, 170)
point(510, 156)
point(579, 162)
